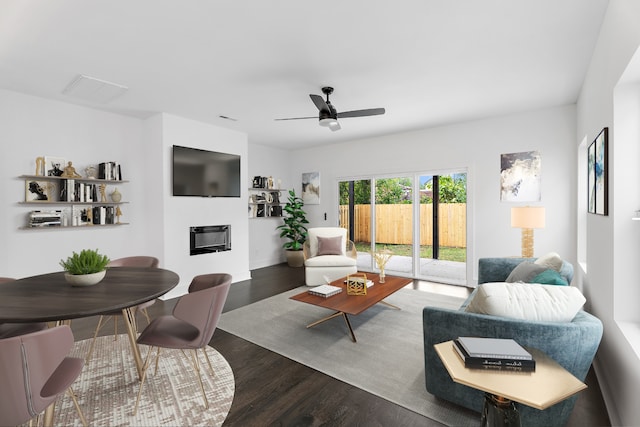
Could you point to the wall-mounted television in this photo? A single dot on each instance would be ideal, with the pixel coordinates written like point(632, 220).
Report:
point(203, 173)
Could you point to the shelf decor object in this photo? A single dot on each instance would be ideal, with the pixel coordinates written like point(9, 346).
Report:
point(527, 218)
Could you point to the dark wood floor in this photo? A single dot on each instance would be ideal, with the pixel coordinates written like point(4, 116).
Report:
point(274, 390)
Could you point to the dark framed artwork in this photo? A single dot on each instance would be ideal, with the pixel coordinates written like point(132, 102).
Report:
point(598, 174)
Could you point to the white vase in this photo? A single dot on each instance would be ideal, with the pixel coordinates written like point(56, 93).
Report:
point(85, 279)
point(116, 196)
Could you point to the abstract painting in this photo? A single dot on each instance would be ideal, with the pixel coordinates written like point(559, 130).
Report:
point(520, 177)
point(598, 174)
point(311, 188)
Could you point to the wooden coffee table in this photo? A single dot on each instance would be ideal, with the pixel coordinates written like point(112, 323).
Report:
point(344, 304)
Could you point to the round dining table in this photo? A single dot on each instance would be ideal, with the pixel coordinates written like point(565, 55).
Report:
point(50, 298)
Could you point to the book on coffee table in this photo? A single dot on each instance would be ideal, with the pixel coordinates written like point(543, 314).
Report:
point(325, 290)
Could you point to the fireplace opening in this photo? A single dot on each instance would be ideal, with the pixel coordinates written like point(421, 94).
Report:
point(206, 239)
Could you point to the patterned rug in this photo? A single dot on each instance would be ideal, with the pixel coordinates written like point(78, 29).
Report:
point(108, 387)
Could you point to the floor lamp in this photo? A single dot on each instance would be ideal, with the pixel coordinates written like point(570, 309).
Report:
point(527, 218)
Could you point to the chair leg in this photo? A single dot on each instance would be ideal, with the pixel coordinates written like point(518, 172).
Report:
point(144, 376)
point(204, 350)
point(93, 341)
point(146, 315)
point(197, 366)
point(75, 402)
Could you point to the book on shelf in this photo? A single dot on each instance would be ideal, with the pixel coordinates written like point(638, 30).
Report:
point(325, 290)
point(509, 361)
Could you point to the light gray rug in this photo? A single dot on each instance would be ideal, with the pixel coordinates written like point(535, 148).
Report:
point(387, 360)
point(108, 387)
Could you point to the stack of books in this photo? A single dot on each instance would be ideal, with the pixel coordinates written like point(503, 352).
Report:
point(494, 354)
point(325, 290)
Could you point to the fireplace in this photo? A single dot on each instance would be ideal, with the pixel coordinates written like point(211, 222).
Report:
point(209, 238)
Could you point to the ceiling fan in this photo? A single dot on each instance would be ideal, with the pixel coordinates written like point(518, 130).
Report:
point(328, 116)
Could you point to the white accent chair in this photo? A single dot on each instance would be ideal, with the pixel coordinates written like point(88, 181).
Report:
point(328, 254)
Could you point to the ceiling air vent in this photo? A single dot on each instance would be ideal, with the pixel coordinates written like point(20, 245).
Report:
point(94, 90)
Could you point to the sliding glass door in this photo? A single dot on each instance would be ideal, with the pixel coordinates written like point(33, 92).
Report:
point(420, 218)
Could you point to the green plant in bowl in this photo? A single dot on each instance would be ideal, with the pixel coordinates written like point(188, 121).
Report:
point(85, 268)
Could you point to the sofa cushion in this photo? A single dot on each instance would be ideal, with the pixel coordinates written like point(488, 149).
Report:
point(330, 245)
point(550, 277)
point(330, 261)
point(524, 272)
point(527, 301)
point(551, 260)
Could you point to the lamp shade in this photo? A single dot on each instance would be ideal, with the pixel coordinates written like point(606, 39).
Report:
point(527, 217)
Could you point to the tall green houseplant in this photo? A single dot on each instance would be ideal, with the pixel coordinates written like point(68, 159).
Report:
point(294, 229)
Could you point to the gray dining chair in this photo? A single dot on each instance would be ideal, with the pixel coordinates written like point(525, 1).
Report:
point(190, 326)
point(8, 330)
point(34, 371)
point(132, 261)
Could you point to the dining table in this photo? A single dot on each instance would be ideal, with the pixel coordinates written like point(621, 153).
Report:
point(50, 298)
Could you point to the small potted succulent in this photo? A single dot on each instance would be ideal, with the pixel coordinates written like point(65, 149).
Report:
point(85, 268)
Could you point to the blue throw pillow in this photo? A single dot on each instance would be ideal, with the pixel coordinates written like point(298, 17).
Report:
point(550, 277)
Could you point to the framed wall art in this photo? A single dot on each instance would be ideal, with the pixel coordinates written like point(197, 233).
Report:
point(54, 166)
point(311, 188)
point(520, 177)
point(598, 174)
point(39, 191)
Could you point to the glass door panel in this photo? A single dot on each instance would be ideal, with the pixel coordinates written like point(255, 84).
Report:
point(394, 223)
point(442, 228)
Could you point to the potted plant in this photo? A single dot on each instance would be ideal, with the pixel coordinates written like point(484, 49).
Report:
point(85, 268)
point(294, 229)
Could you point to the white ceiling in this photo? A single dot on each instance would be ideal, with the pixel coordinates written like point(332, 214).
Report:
point(428, 62)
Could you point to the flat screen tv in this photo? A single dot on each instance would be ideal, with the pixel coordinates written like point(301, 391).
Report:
point(203, 173)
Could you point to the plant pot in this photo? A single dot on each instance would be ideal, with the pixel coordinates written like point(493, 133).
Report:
point(295, 258)
point(85, 279)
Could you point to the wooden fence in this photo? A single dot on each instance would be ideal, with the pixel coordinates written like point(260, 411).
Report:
point(394, 224)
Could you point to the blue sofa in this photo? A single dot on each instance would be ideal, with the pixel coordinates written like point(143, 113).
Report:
point(572, 344)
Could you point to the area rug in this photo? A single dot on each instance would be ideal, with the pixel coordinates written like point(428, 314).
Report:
point(387, 360)
point(108, 387)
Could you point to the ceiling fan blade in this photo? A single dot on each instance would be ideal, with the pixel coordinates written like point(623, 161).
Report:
point(298, 118)
point(319, 102)
point(361, 113)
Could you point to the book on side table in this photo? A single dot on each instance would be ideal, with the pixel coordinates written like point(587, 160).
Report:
point(493, 353)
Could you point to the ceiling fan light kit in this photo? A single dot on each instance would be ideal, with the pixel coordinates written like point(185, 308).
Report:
point(328, 115)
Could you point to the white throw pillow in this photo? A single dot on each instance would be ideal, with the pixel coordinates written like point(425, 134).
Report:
point(527, 301)
point(551, 260)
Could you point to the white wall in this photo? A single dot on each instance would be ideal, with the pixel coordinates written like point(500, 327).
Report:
point(608, 275)
point(32, 127)
point(265, 242)
point(475, 146)
point(159, 223)
point(179, 213)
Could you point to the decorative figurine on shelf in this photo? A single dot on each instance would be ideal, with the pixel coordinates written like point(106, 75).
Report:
point(118, 214)
point(70, 171)
point(103, 194)
point(270, 182)
point(279, 183)
point(89, 216)
point(39, 166)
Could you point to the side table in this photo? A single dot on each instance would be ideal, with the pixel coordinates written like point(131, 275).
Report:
point(548, 385)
